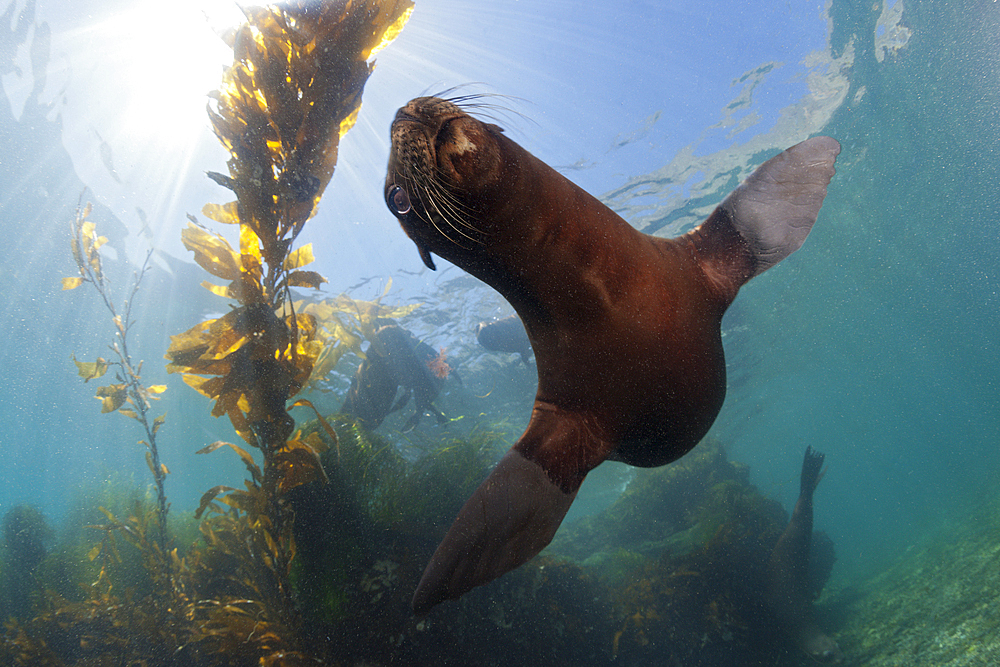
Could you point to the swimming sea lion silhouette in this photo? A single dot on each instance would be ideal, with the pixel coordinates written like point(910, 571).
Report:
point(787, 589)
point(625, 326)
point(394, 359)
point(505, 335)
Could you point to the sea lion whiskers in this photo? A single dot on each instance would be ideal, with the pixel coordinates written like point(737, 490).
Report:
point(419, 177)
point(469, 101)
point(437, 198)
point(470, 104)
point(440, 207)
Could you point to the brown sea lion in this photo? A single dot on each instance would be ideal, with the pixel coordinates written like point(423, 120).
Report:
point(395, 359)
point(625, 326)
point(505, 335)
point(787, 591)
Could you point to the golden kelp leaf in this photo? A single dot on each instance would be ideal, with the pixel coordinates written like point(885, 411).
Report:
point(94, 553)
point(317, 444)
point(305, 279)
point(156, 388)
point(240, 500)
point(218, 290)
point(71, 283)
point(88, 234)
point(224, 213)
point(196, 382)
point(392, 32)
point(212, 252)
point(325, 363)
point(321, 447)
point(250, 243)
point(298, 464)
point(149, 462)
point(209, 496)
point(77, 254)
point(129, 413)
point(243, 454)
point(89, 370)
point(112, 397)
point(348, 123)
point(299, 258)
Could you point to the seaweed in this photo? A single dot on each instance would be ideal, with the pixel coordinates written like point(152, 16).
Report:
point(129, 388)
point(293, 90)
point(25, 536)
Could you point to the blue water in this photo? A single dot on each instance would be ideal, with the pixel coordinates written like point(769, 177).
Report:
point(877, 343)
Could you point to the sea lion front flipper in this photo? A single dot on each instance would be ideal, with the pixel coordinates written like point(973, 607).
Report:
point(773, 210)
point(510, 518)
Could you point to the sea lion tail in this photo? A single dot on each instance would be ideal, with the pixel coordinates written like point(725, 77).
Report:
point(510, 518)
point(812, 471)
point(776, 207)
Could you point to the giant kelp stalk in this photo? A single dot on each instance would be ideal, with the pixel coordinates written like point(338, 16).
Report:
point(293, 90)
point(129, 388)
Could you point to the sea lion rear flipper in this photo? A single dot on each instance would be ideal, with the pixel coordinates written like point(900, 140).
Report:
point(812, 471)
point(510, 518)
point(773, 210)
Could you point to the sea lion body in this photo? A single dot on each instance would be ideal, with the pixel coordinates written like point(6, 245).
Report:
point(505, 335)
point(395, 359)
point(786, 588)
point(625, 326)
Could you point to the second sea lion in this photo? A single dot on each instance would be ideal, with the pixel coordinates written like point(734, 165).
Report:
point(505, 335)
point(786, 588)
point(625, 326)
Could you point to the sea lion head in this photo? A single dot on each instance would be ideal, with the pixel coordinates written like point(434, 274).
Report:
point(445, 174)
point(822, 648)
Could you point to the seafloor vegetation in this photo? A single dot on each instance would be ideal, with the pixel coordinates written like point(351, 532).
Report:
point(938, 605)
point(664, 576)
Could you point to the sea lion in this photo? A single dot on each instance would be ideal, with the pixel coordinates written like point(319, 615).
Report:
point(394, 359)
point(505, 335)
point(625, 326)
point(787, 590)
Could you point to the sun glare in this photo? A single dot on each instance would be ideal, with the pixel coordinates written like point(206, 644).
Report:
point(162, 61)
point(134, 111)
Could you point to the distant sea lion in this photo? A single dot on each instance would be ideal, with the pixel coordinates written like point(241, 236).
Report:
point(394, 359)
point(625, 326)
point(787, 590)
point(505, 335)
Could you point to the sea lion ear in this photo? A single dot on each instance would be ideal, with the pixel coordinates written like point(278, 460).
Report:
point(494, 127)
point(510, 518)
point(425, 255)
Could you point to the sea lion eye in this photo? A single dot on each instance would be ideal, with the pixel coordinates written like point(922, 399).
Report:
point(398, 201)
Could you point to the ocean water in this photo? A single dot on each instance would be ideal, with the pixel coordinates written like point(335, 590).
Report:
point(876, 344)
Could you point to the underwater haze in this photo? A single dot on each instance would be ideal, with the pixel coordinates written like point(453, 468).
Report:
point(876, 343)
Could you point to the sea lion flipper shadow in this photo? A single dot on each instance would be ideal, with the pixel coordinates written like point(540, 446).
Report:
point(511, 517)
point(774, 209)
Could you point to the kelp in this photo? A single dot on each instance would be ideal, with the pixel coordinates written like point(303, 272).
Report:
point(293, 90)
point(129, 388)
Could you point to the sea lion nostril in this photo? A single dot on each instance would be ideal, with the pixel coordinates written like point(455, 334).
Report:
point(398, 201)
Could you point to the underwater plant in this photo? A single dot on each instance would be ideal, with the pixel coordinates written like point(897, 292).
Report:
point(129, 388)
point(25, 533)
point(293, 91)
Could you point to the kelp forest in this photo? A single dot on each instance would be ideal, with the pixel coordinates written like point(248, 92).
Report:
point(313, 559)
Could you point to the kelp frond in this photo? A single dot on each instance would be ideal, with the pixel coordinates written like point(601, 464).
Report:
point(129, 389)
